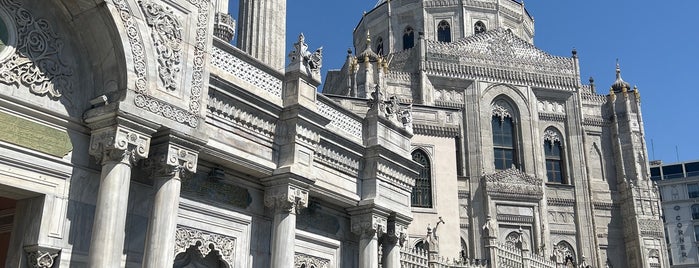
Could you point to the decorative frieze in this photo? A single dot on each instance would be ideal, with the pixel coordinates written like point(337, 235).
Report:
point(246, 72)
point(340, 120)
point(166, 32)
point(393, 176)
point(37, 61)
point(119, 143)
point(307, 261)
point(548, 106)
point(560, 202)
point(515, 218)
point(552, 117)
point(595, 121)
point(240, 117)
point(437, 131)
point(513, 182)
point(651, 227)
point(286, 198)
point(336, 160)
point(205, 243)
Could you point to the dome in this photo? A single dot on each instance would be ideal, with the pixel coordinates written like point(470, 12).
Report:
point(619, 84)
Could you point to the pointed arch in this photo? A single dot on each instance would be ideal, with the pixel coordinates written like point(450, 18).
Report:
point(504, 135)
point(554, 154)
point(408, 38)
point(422, 192)
point(564, 252)
point(444, 31)
point(479, 27)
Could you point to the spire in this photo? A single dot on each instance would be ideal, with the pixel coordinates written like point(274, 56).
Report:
point(619, 84)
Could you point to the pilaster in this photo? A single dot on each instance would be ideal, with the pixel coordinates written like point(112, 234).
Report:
point(170, 159)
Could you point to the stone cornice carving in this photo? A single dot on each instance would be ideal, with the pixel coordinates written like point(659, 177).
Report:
point(515, 218)
point(166, 32)
point(171, 160)
point(286, 198)
point(513, 182)
point(205, 242)
point(552, 117)
point(119, 143)
point(240, 117)
point(602, 205)
point(307, 261)
point(552, 136)
point(386, 172)
point(437, 131)
point(337, 160)
point(340, 120)
point(37, 61)
point(246, 72)
point(651, 227)
point(595, 121)
point(560, 202)
point(38, 258)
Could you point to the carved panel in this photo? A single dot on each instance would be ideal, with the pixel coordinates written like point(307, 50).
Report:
point(246, 72)
point(37, 62)
point(307, 261)
point(166, 32)
point(515, 183)
point(205, 243)
point(548, 106)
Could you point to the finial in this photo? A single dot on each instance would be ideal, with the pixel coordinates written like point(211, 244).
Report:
point(592, 80)
point(618, 69)
point(368, 37)
point(575, 52)
point(349, 51)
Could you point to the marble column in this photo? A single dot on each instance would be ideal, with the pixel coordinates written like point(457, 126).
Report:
point(167, 163)
point(286, 200)
point(117, 148)
point(391, 242)
point(369, 228)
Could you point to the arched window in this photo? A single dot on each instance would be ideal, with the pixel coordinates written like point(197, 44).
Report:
point(422, 245)
point(422, 192)
point(695, 212)
point(505, 153)
point(564, 253)
point(553, 152)
point(444, 31)
point(479, 27)
point(379, 46)
point(408, 38)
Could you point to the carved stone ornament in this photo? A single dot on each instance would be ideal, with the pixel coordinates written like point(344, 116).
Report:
point(391, 109)
point(301, 55)
point(41, 259)
point(307, 261)
point(340, 119)
point(369, 225)
point(119, 144)
point(166, 31)
point(552, 136)
point(205, 243)
point(37, 61)
point(143, 100)
point(502, 110)
point(224, 26)
point(170, 160)
point(515, 183)
point(286, 198)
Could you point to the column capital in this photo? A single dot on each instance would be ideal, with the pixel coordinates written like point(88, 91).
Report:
point(286, 197)
point(171, 160)
point(395, 232)
point(369, 224)
point(41, 257)
point(119, 143)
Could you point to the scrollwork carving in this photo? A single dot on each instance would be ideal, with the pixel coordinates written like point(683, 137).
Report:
point(286, 198)
point(205, 242)
point(166, 32)
point(37, 62)
point(170, 160)
point(369, 225)
point(303, 260)
point(119, 143)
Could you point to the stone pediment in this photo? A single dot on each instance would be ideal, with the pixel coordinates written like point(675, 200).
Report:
point(513, 183)
point(501, 55)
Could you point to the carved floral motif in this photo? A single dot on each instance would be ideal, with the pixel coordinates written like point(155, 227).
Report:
point(168, 160)
point(286, 198)
point(41, 259)
point(205, 242)
point(166, 31)
point(502, 110)
point(551, 135)
point(37, 62)
point(307, 261)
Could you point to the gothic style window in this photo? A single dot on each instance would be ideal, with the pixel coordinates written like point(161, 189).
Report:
point(505, 153)
point(695, 212)
point(479, 27)
point(422, 192)
point(553, 151)
point(564, 253)
point(379, 46)
point(408, 38)
point(444, 31)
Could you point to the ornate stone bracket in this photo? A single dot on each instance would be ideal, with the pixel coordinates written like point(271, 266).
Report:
point(41, 257)
point(119, 143)
point(287, 198)
point(171, 160)
point(205, 242)
point(309, 261)
point(369, 225)
point(224, 26)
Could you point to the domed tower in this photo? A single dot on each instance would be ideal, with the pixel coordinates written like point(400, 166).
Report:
point(396, 24)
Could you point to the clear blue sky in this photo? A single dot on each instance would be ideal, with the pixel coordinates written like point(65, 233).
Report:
point(656, 42)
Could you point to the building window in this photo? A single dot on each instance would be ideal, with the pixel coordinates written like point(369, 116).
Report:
point(695, 212)
point(479, 27)
point(553, 151)
point(696, 233)
point(505, 154)
point(379, 46)
point(408, 38)
point(444, 31)
point(693, 190)
point(422, 192)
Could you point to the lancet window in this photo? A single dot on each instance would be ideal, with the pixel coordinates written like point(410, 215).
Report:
point(422, 192)
point(553, 152)
point(503, 124)
point(444, 31)
point(408, 38)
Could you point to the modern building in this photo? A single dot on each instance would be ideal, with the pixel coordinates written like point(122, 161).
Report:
point(679, 191)
point(136, 135)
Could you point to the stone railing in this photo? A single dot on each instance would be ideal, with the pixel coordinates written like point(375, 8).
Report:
point(418, 258)
point(509, 256)
point(241, 69)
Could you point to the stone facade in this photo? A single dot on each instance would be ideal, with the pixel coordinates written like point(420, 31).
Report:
point(137, 136)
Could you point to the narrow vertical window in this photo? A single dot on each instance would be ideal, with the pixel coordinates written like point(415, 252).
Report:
point(444, 31)
point(479, 27)
point(379, 46)
point(505, 154)
point(408, 38)
point(695, 212)
point(553, 152)
point(422, 192)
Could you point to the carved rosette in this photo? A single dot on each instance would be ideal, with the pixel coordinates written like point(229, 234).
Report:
point(205, 242)
point(166, 31)
point(37, 61)
point(170, 160)
point(41, 259)
point(369, 225)
point(304, 260)
point(286, 198)
point(118, 143)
